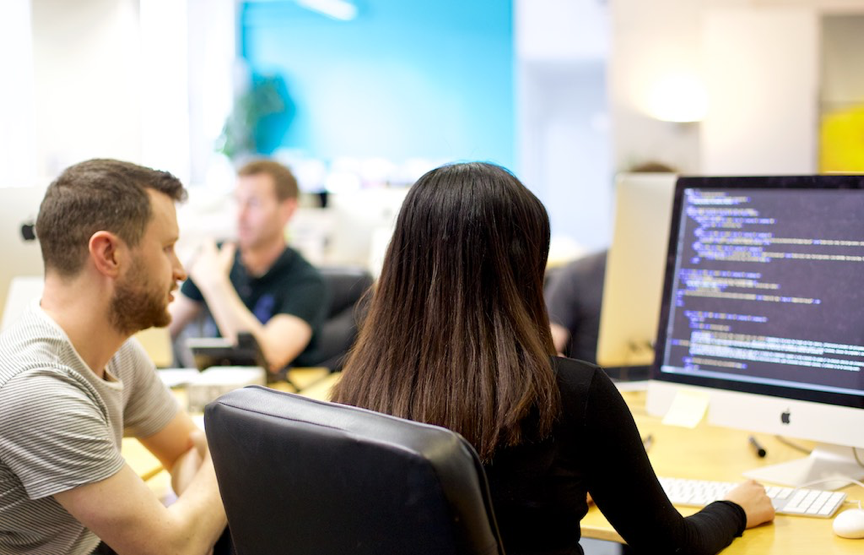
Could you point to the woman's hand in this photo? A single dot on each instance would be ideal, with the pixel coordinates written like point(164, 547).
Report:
point(751, 496)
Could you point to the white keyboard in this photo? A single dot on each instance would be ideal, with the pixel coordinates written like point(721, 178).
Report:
point(788, 501)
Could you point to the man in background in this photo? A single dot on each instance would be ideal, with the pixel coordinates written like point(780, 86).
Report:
point(260, 285)
point(71, 382)
point(573, 296)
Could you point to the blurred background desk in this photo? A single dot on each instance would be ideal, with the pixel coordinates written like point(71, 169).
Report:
point(713, 453)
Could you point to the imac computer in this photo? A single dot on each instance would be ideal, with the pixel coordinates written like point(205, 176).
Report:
point(19, 249)
point(635, 265)
point(364, 223)
point(763, 310)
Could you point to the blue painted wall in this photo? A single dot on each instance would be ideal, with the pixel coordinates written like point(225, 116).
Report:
point(406, 78)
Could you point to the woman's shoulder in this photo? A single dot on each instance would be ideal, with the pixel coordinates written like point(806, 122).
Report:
point(576, 377)
point(581, 378)
point(573, 371)
point(584, 386)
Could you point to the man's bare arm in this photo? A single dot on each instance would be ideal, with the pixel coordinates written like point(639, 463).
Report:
point(286, 336)
point(281, 339)
point(183, 310)
point(175, 447)
point(560, 337)
point(126, 515)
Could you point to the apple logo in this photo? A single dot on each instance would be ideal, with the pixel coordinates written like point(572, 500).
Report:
point(28, 231)
point(784, 416)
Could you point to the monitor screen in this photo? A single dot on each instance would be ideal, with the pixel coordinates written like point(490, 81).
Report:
point(762, 305)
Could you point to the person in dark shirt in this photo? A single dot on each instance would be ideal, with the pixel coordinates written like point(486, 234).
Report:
point(260, 285)
point(573, 297)
point(457, 335)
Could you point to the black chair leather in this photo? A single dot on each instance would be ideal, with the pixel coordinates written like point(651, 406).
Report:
point(300, 476)
point(347, 287)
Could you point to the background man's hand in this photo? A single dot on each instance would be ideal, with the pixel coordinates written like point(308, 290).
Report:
point(212, 263)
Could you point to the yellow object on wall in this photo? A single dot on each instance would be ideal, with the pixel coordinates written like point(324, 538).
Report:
point(842, 141)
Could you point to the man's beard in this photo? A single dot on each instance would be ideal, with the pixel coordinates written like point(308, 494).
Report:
point(136, 307)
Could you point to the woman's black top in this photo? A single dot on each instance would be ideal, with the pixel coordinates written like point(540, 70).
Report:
point(538, 489)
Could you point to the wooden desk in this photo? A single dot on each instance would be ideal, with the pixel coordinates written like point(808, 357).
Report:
point(319, 389)
point(713, 453)
point(706, 452)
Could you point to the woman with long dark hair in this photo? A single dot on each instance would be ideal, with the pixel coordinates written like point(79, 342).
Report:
point(457, 335)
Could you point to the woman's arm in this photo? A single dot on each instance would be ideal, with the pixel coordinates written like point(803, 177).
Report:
point(625, 488)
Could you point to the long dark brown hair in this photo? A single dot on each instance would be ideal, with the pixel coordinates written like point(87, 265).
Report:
point(457, 333)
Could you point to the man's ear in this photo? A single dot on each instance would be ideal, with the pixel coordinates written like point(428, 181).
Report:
point(106, 252)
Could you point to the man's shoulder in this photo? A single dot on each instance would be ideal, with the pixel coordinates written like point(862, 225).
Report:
point(130, 358)
point(296, 258)
point(293, 265)
point(32, 382)
point(590, 264)
point(30, 343)
point(38, 362)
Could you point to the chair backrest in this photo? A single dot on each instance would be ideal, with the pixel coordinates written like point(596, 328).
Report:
point(302, 476)
point(347, 287)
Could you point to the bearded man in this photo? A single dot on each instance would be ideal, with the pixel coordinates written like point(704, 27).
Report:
point(72, 382)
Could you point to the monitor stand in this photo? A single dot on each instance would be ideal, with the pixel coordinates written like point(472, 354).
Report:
point(834, 463)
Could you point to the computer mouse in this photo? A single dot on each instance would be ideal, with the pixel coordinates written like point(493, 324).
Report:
point(850, 524)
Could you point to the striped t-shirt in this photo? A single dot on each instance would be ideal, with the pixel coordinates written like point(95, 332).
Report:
point(61, 427)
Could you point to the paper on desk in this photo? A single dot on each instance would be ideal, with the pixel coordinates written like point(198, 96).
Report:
point(177, 377)
point(687, 409)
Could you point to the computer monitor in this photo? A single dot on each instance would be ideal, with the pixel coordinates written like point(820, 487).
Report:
point(20, 255)
point(635, 265)
point(217, 351)
point(363, 224)
point(763, 309)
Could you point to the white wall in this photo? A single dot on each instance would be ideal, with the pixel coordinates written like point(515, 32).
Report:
point(211, 63)
point(563, 146)
point(652, 42)
point(17, 108)
point(85, 56)
point(93, 94)
point(758, 60)
point(148, 81)
point(763, 77)
point(561, 30)
point(843, 61)
point(164, 85)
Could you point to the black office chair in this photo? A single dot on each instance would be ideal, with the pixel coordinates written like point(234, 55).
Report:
point(301, 476)
point(347, 287)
